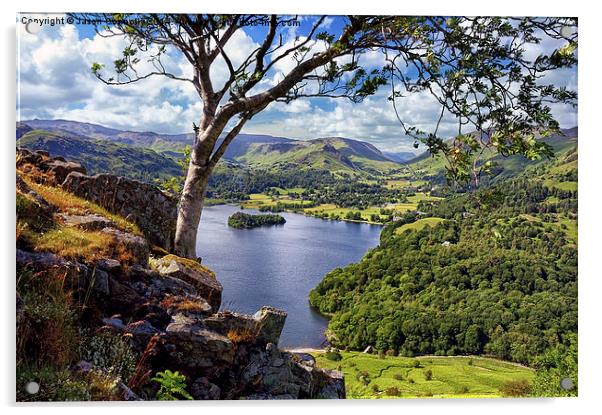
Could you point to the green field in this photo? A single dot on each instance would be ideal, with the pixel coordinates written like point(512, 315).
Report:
point(419, 224)
point(567, 186)
point(452, 377)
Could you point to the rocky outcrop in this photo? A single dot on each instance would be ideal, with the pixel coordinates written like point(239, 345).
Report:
point(152, 210)
point(54, 169)
point(200, 277)
point(168, 308)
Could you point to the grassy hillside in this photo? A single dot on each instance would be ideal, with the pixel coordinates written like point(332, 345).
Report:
point(369, 376)
point(337, 155)
point(505, 167)
point(100, 156)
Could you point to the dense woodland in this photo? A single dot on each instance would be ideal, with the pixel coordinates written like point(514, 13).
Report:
point(497, 276)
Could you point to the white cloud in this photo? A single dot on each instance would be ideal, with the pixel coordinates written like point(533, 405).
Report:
point(56, 82)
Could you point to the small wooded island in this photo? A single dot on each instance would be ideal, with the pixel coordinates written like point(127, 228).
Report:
point(241, 220)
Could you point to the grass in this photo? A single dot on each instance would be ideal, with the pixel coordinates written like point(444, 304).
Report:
point(419, 225)
point(333, 211)
point(73, 205)
point(451, 377)
point(566, 186)
point(74, 243)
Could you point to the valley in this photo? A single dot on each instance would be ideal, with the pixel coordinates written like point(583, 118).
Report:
point(448, 272)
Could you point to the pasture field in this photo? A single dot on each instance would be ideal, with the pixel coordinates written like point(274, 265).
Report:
point(368, 376)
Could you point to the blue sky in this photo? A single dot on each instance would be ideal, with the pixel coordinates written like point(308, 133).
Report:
point(55, 82)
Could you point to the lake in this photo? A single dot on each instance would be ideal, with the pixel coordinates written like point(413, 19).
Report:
point(279, 265)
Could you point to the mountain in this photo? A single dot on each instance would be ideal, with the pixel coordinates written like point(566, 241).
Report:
point(400, 156)
point(425, 165)
point(100, 156)
point(334, 154)
point(158, 142)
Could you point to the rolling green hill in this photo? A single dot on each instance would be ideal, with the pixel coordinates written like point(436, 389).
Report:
point(335, 154)
point(101, 156)
point(426, 166)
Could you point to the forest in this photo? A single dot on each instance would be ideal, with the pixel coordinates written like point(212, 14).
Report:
point(497, 275)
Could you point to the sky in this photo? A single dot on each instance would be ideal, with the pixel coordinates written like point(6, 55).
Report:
point(55, 82)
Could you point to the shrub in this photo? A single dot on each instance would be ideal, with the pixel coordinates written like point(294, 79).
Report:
point(516, 388)
point(55, 384)
point(363, 376)
point(47, 328)
point(392, 391)
point(416, 363)
point(110, 352)
point(391, 352)
point(398, 376)
point(381, 354)
point(334, 355)
point(172, 386)
point(428, 374)
point(470, 362)
point(375, 388)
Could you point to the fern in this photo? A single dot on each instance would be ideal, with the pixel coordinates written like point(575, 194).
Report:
point(173, 386)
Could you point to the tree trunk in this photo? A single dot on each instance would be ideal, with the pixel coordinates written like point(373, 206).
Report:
point(190, 209)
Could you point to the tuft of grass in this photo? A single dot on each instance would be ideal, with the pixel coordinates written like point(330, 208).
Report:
point(243, 335)
point(73, 243)
point(516, 388)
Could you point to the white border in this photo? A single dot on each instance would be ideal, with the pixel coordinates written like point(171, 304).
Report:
point(590, 154)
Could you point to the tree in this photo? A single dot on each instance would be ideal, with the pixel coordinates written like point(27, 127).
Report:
point(464, 62)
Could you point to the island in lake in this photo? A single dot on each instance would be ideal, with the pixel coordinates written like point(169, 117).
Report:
point(241, 220)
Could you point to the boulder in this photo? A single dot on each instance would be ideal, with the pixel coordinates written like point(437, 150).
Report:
point(277, 374)
point(195, 350)
point(135, 245)
point(262, 328)
point(60, 169)
point(92, 222)
point(203, 389)
point(154, 211)
point(200, 277)
point(270, 321)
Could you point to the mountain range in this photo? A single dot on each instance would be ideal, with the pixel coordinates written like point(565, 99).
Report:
point(87, 143)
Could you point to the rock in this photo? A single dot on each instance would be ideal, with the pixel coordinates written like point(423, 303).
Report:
point(270, 321)
point(201, 278)
point(331, 385)
point(25, 156)
point(203, 389)
point(109, 265)
point(114, 323)
point(141, 328)
point(135, 245)
point(154, 211)
point(196, 349)
point(92, 222)
point(100, 281)
point(60, 169)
